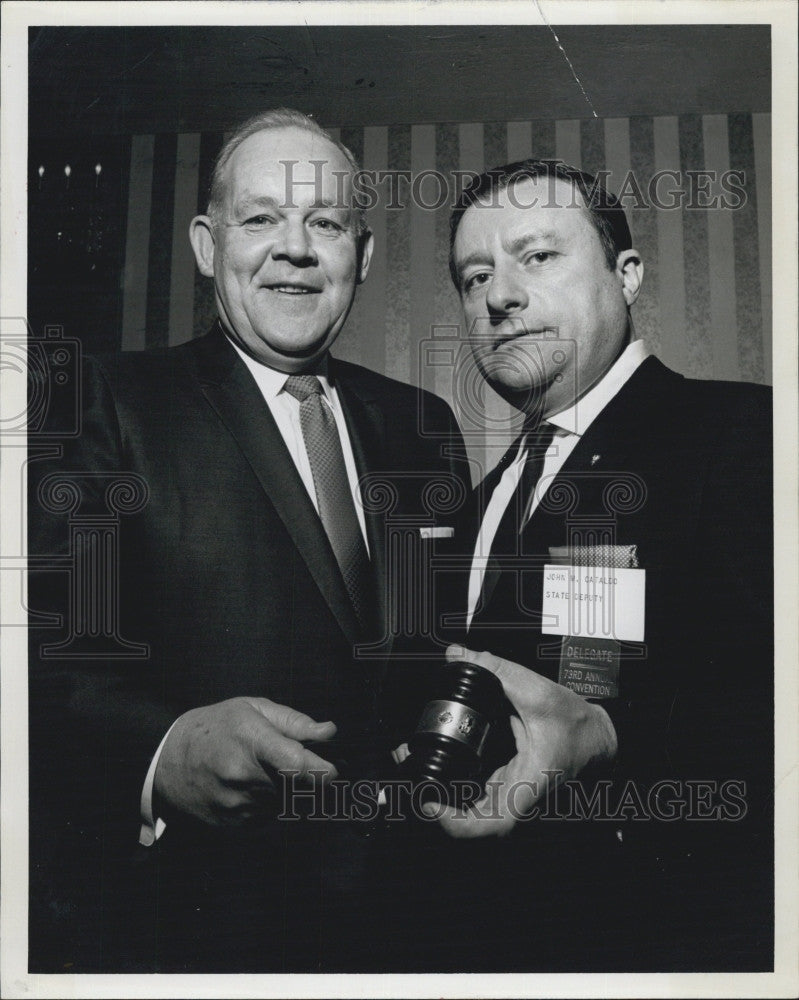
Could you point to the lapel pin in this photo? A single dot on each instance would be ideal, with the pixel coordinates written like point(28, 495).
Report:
point(595, 459)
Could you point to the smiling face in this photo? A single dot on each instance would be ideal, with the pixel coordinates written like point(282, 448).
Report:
point(546, 315)
point(283, 247)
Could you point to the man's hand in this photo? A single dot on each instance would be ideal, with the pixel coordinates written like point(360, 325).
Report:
point(555, 730)
point(220, 763)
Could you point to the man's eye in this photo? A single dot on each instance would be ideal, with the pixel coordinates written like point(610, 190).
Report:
point(327, 226)
point(476, 280)
point(540, 257)
point(259, 220)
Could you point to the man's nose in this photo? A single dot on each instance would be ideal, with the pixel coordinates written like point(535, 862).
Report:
point(293, 243)
point(506, 295)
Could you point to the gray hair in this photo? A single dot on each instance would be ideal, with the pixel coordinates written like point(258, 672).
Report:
point(276, 118)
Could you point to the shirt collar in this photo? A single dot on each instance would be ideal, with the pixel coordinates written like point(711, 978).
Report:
point(271, 382)
point(576, 419)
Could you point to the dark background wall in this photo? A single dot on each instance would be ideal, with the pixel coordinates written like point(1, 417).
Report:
point(136, 80)
point(137, 114)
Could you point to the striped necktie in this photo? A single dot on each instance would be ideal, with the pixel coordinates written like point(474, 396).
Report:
point(333, 493)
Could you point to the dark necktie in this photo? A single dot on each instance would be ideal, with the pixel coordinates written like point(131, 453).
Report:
point(506, 546)
point(333, 493)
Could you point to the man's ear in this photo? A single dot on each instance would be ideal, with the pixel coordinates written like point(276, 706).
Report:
point(201, 235)
point(366, 244)
point(630, 270)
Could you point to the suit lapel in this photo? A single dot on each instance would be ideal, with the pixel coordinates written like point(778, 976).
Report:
point(481, 498)
point(232, 392)
point(367, 430)
point(618, 440)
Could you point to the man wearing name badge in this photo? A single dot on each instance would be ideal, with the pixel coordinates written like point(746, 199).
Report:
point(249, 573)
point(620, 587)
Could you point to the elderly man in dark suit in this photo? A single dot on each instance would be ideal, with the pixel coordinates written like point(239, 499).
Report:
point(619, 584)
point(251, 587)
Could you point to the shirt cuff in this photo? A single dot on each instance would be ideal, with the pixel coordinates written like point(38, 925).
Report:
point(151, 827)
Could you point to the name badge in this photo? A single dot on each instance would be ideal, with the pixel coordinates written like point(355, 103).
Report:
point(590, 667)
point(594, 602)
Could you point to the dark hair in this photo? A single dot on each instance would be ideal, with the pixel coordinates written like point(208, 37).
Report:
point(275, 118)
point(604, 209)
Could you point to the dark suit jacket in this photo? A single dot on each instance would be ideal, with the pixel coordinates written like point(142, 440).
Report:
point(682, 470)
point(223, 584)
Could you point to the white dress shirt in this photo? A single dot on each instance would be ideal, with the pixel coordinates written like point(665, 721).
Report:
point(285, 410)
point(570, 424)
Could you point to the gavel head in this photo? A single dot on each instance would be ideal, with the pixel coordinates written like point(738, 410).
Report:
point(446, 750)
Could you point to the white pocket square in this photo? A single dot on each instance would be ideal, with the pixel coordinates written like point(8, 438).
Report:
point(436, 532)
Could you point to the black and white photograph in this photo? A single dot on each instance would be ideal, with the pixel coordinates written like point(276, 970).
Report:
point(399, 499)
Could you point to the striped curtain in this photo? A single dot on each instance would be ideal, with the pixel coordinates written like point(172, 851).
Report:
point(705, 308)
